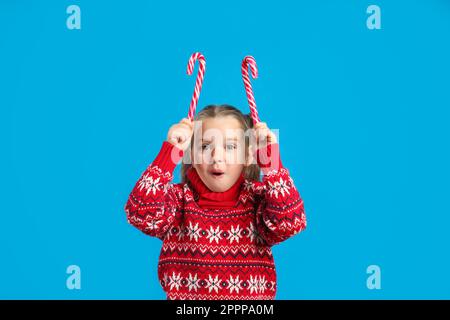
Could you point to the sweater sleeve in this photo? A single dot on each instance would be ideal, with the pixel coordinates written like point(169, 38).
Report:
point(154, 203)
point(280, 214)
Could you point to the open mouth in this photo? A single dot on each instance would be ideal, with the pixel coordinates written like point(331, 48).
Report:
point(217, 174)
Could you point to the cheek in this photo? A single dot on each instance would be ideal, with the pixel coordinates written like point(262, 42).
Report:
point(236, 157)
point(201, 168)
point(235, 169)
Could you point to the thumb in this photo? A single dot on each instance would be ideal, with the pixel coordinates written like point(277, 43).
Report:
point(173, 140)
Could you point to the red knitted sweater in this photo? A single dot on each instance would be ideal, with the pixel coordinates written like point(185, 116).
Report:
point(216, 245)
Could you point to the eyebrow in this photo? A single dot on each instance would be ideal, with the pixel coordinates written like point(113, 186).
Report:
point(227, 139)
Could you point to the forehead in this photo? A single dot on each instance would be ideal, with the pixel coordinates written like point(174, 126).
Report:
point(221, 123)
point(226, 126)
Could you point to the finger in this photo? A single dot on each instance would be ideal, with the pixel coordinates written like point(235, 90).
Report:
point(173, 140)
point(263, 133)
point(186, 133)
point(272, 137)
point(263, 138)
point(187, 122)
point(185, 126)
point(176, 133)
point(181, 140)
point(261, 125)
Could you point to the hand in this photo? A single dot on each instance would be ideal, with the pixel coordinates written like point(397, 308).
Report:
point(264, 136)
point(180, 134)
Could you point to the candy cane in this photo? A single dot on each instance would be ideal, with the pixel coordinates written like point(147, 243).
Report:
point(249, 61)
point(198, 83)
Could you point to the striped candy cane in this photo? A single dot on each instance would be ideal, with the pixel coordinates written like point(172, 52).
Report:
point(198, 83)
point(249, 61)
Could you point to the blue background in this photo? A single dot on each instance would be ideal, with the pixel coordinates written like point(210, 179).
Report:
point(364, 129)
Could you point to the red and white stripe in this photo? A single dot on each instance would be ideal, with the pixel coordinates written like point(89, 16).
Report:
point(249, 61)
point(198, 83)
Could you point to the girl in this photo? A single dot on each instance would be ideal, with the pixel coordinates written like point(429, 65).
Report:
point(219, 223)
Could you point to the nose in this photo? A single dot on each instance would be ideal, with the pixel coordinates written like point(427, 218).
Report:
point(218, 154)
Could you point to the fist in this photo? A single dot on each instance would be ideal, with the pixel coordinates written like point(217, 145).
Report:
point(264, 136)
point(180, 134)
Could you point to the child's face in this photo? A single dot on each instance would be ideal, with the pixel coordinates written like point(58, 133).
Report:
point(219, 152)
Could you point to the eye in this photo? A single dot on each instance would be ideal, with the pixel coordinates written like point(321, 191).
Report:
point(231, 146)
point(205, 146)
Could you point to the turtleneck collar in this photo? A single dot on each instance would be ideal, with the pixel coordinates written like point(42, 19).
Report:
point(211, 199)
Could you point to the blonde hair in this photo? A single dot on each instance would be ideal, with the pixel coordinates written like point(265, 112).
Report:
point(252, 171)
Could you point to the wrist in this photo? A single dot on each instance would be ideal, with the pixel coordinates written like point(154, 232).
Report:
point(268, 157)
point(168, 156)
